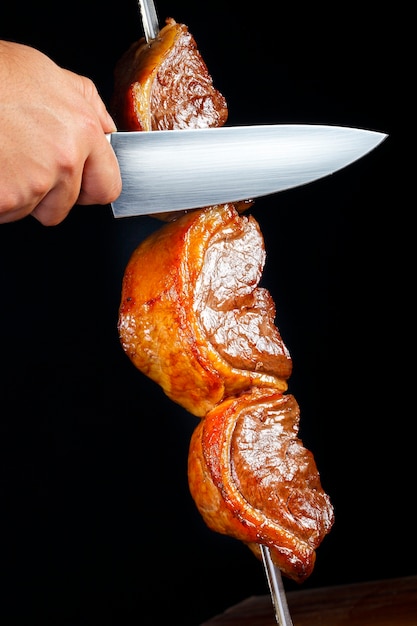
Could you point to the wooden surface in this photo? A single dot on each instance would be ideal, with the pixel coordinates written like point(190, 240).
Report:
point(380, 603)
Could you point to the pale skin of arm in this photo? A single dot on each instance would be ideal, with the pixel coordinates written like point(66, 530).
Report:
point(53, 147)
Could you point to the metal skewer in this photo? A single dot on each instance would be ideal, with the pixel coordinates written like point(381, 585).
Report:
point(282, 614)
point(149, 19)
point(277, 590)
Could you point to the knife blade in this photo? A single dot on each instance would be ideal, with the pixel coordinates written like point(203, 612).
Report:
point(165, 171)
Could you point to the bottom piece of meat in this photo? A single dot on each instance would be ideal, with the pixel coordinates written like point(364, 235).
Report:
point(251, 478)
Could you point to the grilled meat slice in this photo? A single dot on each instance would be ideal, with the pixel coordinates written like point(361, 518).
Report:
point(192, 316)
point(165, 85)
point(251, 478)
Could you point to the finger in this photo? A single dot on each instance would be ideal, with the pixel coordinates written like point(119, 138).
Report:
point(25, 197)
point(13, 215)
point(101, 180)
point(57, 203)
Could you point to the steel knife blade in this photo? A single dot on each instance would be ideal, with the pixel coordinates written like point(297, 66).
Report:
point(164, 171)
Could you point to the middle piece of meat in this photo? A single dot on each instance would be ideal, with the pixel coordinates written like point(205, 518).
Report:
point(192, 316)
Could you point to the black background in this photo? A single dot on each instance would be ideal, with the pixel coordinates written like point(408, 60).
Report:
point(98, 524)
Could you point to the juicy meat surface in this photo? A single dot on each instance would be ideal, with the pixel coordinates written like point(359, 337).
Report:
point(192, 316)
point(252, 478)
point(165, 85)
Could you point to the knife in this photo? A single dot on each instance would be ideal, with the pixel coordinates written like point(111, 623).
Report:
point(165, 171)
